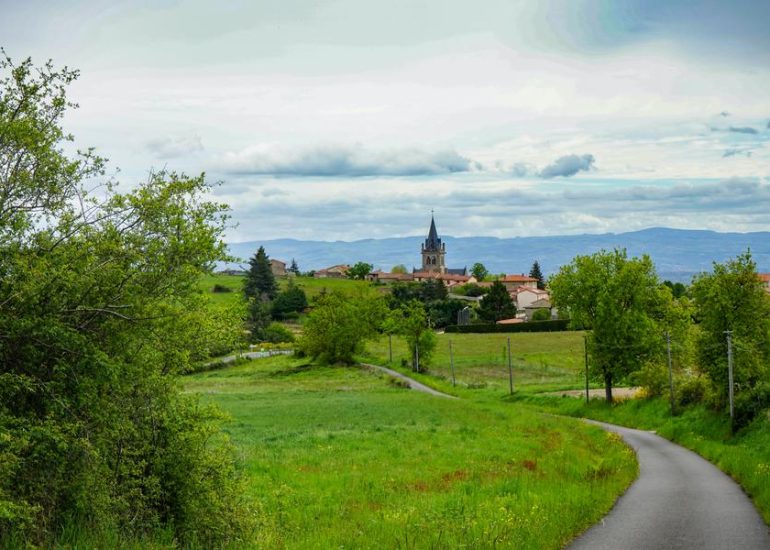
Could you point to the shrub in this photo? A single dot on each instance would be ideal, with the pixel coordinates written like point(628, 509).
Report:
point(691, 390)
point(276, 332)
point(542, 314)
point(556, 325)
point(220, 289)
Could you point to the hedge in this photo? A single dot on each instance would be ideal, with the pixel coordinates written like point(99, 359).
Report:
point(555, 325)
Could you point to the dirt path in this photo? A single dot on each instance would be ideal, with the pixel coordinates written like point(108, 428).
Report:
point(617, 393)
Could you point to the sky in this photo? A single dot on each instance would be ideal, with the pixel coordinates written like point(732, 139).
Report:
point(354, 119)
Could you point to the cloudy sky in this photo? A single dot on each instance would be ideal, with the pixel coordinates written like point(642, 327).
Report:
point(351, 119)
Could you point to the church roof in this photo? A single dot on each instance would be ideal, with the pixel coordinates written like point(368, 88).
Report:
point(432, 242)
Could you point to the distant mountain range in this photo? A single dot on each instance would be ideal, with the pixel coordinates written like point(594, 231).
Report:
point(678, 254)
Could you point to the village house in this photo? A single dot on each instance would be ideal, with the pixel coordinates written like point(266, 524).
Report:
point(765, 278)
point(513, 282)
point(334, 272)
point(278, 268)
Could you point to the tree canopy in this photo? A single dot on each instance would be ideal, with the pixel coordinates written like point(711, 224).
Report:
point(732, 298)
point(99, 309)
point(618, 299)
point(496, 304)
point(260, 282)
point(360, 270)
point(535, 273)
point(479, 271)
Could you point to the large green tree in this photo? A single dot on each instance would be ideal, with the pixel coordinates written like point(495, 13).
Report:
point(732, 298)
point(496, 304)
point(339, 325)
point(360, 270)
point(411, 321)
point(99, 310)
point(619, 300)
point(479, 271)
point(260, 281)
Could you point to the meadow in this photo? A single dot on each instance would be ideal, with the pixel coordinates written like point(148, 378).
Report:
point(540, 361)
point(345, 457)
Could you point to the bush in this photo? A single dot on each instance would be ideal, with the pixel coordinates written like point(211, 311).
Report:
point(557, 325)
point(542, 314)
point(749, 403)
point(691, 390)
point(653, 377)
point(276, 332)
point(220, 289)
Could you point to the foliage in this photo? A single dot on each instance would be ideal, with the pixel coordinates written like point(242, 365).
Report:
point(732, 298)
point(289, 302)
point(99, 309)
point(678, 290)
point(258, 318)
point(556, 325)
point(535, 273)
point(259, 282)
point(497, 304)
point(359, 271)
point(411, 321)
point(442, 313)
point(217, 288)
point(619, 300)
point(470, 289)
point(399, 268)
point(542, 314)
point(479, 272)
point(276, 333)
point(339, 325)
point(293, 267)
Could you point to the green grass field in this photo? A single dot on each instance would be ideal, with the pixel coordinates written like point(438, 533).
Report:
point(541, 360)
point(342, 457)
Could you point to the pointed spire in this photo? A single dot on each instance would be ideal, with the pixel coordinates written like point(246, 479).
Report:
point(432, 242)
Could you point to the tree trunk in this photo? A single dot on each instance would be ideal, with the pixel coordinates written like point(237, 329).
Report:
point(608, 387)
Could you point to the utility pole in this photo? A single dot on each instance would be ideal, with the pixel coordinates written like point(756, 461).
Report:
point(417, 357)
point(730, 389)
point(390, 348)
point(585, 358)
point(452, 363)
point(670, 373)
point(510, 366)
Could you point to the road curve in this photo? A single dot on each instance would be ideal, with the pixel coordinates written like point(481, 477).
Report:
point(679, 501)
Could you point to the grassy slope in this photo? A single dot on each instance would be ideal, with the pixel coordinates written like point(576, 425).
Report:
point(745, 456)
point(341, 457)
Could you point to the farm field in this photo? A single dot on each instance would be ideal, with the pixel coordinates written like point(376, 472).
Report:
point(542, 361)
point(343, 457)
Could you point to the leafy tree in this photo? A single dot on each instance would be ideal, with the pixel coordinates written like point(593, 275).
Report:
point(619, 300)
point(99, 310)
point(290, 302)
point(339, 325)
point(677, 289)
point(433, 289)
point(294, 268)
point(535, 273)
point(479, 271)
point(471, 289)
point(732, 298)
point(443, 313)
point(542, 314)
point(360, 270)
point(260, 281)
point(400, 268)
point(410, 320)
point(497, 304)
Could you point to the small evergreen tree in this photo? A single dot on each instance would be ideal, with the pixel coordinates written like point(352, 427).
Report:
point(497, 304)
point(294, 268)
point(535, 273)
point(260, 281)
point(290, 302)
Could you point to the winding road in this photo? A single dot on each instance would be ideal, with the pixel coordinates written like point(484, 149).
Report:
point(679, 501)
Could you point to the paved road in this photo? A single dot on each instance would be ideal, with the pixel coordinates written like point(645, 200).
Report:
point(413, 384)
point(250, 355)
point(680, 501)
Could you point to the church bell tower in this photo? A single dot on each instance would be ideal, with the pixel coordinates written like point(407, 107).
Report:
point(433, 251)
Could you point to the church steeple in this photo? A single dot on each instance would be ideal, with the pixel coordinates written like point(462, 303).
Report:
point(433, 250)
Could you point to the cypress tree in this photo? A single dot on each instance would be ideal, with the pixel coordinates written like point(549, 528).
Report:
point(497, 304)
